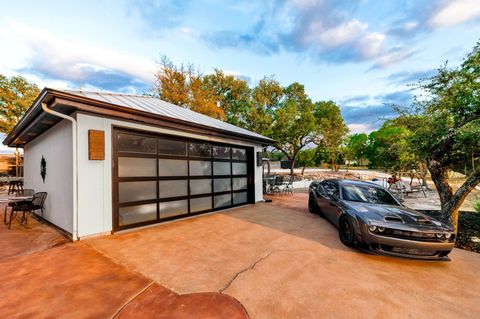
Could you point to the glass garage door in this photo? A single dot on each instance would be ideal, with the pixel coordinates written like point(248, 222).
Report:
point(158, 178)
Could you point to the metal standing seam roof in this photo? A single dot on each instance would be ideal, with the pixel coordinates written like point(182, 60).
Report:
point(157, 106)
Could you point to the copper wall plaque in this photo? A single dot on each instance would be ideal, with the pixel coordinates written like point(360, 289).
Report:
point(96, 145)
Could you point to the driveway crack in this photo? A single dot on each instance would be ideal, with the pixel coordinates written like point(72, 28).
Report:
point(252, 266)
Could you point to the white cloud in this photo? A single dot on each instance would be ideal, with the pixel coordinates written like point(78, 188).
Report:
point(67, 57)
point(455, 12)
point(348, 33)
point(360, 128)
point(392, 57)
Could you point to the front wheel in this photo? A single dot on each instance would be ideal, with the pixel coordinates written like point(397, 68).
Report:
point(346, 231)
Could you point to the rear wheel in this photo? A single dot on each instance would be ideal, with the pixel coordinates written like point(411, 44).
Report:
point(312, 205)
point(346, 231)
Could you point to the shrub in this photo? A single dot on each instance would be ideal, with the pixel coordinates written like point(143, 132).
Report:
point(476, 206)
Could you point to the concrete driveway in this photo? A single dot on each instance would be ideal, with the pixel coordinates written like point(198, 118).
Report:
point(280, 261)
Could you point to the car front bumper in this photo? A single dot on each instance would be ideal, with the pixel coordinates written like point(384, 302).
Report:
point(406, 247)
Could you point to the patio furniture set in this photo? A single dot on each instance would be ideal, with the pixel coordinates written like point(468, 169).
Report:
point(278, 184)
point(24, 202)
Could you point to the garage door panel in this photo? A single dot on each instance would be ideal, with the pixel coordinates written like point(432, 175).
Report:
point(173, 208)
point(240, 198)
point(222, 185)
point(137, 214)
point(172, 147)
point(134, 143)
point(200, 204)
point(200, 168)
point(136, 167)
point(239, 168)
point(240, 183)
point(172, 167)
point(222, 200)
point(221, 152)
point(222, 168)
point(136, 191)
point(173, 188)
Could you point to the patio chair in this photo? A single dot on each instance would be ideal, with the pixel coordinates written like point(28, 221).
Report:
point(38, 202)
point(278, 184)
point(10, 205)
point(288, 185)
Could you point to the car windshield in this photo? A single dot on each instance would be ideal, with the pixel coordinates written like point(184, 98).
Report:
point(367, 194)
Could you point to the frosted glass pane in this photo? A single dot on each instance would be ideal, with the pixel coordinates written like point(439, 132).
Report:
point(133, 166)
point(223, 200)
point(199, 149)
point(239, 198)
point(136, 191)
point(239, 153)
point(200, 168)
point(173, 188)
point(222, 185)
point(239, 168)
point(200, 186)
point(172, 147)
point(221, 168)
point(200, 204)
point(221, 152)
point(137, 214)
point(175, 208)
point(171, 167)
point(136, 143)
point(239, 183)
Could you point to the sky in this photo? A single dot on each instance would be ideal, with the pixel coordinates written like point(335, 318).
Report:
point(361, 54)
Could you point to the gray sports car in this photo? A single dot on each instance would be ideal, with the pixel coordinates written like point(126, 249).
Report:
point(370, 217)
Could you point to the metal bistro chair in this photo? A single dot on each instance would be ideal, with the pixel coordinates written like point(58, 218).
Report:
point(38, 202)
point(10, 205)
point(288, 185)
point(278, 184)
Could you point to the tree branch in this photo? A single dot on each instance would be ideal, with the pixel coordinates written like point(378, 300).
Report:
point(457, 199)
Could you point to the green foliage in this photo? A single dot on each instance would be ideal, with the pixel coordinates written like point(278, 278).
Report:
point(232, 93)
point(476, 206)
point(16, 96)
point(389, 148)
point(331, 130)
point(356, 147)
point(309, 157)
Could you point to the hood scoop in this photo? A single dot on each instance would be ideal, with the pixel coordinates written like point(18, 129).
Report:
point(393, 219)
point(423, 221)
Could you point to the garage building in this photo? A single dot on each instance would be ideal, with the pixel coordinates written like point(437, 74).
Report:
point(114, 161)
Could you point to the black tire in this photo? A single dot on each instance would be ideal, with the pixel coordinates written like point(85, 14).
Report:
point(346, 231)
point(312, 205)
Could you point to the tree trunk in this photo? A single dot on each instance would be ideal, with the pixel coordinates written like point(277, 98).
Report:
point(423, 173)
point(451, 202)
point(303, 169)
point(292, 170)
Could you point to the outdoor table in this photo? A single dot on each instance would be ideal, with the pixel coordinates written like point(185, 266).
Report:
point(10, 199)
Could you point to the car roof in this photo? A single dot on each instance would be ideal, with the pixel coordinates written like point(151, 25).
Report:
point(352, 182)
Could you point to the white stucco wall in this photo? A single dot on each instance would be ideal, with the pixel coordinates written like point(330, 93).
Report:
point(95, 177)
point(55, 145)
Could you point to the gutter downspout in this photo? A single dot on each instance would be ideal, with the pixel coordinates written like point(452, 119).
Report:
point(75, 169)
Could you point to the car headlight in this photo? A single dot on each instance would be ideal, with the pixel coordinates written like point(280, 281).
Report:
point(372, 228)
point(439, 235)
point(448, 235)
point(381, 229)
